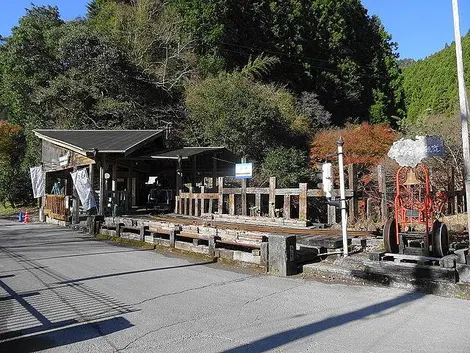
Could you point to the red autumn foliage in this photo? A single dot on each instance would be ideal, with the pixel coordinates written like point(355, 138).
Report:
point(363, 144)
point(10, 138)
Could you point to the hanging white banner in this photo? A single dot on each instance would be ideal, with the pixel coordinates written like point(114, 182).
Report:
point(84, 189)
point(38, 181)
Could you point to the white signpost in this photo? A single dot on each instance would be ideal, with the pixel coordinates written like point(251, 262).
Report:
point(327, 180)
point(342, 191)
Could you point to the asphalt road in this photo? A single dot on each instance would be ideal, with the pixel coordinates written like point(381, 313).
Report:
point(62, 291)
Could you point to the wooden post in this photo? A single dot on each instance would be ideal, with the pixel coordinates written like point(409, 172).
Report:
point(91, 176)
point(331, 214)
point(172, 234)
point(129, 188)
point(220, 205)
point(456, 202)
point(231, 204)
point(114, 197)
point(196, 206)
point(353, 203)
point(75, 204)
point(114, 179)
point(193, 170)
point(243, 195)
point(258, 202)
point(134, 191)
point(286, 210)
point(202, 200)
point(451, 189)
point(243, 192)
point(383, 191)
point(179, 175)
point(368, 208)
point(272, 196)
point(191, 202)
point(177, 204)
point(102, 193)
point(303, 202)
point(214, 171)
point(211, 206)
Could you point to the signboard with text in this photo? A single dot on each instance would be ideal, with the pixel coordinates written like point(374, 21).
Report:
point(243, 170)
point(410, 152)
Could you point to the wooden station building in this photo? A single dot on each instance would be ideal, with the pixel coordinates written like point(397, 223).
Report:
point(120, 164)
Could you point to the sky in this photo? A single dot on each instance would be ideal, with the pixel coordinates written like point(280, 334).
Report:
point(420, 27)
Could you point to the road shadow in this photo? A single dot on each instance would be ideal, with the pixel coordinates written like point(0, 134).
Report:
point(419, 278)
point(65, 336)
point(409, 275)
point(83, 279)
point(279, 339)
point(56, 315)
point(6, 311)
point(88, 254)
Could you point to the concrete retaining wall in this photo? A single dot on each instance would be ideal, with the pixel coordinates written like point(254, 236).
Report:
point(56, 222)
point(227, 244)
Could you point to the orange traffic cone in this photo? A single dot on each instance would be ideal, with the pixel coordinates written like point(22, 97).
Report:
point(26, 217)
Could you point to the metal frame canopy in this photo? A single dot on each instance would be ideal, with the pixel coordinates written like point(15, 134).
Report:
point(90, 142)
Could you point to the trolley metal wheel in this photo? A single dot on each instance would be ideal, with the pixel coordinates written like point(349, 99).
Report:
point(390, 236)
point(440, 239)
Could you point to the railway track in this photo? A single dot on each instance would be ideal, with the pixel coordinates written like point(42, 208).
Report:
point(257, 228)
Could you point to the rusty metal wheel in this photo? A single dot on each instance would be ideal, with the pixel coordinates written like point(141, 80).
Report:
point(390, 236)
point(440, 239)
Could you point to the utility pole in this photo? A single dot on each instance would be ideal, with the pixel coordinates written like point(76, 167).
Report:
point(344, 215)
point(463, 109)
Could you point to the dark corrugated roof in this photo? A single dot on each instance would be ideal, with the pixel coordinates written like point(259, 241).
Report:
point(107, 141)
point(184, 152)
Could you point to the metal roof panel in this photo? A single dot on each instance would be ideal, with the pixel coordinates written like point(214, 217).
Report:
point(107, 141)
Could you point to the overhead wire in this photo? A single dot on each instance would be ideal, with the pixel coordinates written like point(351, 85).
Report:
point(261, 51)
point(270, 51)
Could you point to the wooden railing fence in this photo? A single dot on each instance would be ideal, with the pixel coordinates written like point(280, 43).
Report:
point(55, 207)
point(223, 201)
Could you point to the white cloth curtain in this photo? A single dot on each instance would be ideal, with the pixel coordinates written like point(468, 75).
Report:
point(38, 181)
point(85, 192)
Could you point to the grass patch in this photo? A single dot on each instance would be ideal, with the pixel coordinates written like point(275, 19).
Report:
point(9, 211)
point(125, 241)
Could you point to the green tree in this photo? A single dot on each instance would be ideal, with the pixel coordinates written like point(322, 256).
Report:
point(431, 84)
point(329, 47)
point(150, 33)
point(15, 186)
point(75, 79)
point(97, 86)
point(288, 165)
point(245, 116)
point(26, 63)
point(309, 105)
point(64, 75)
